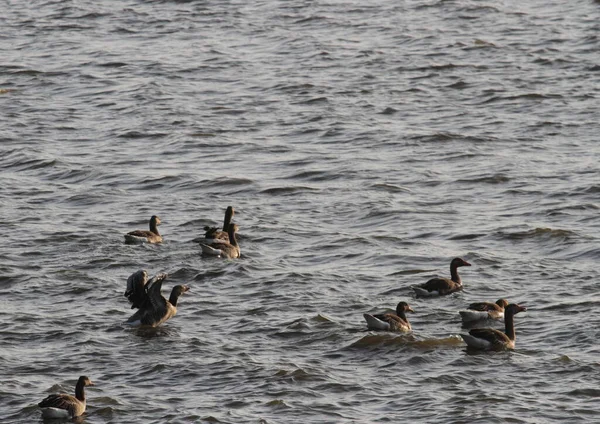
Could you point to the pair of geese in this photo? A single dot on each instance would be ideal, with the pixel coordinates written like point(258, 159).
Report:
point(478, 338)
point(215, 242)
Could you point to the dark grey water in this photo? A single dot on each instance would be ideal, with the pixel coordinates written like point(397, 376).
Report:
point(363, 146)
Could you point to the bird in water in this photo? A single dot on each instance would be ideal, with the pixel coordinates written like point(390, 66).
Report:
point(145, 236)
point(213, 234)
point(153, 308)
point(229, 249)
point(66, 406)
point(389, 321)
point(443, 286)
point(492, 339)
point(484, 310)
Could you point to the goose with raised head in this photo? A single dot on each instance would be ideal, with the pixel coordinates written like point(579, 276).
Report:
point(145, 236)
point(213, 234)
point(443, 286)
point(229, 249)
point(492, 339)
point(153, 308)
point(63, 405)
point(389, 321)
point(484, 310)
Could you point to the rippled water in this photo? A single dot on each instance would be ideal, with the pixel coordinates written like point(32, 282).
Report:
point(362, 145)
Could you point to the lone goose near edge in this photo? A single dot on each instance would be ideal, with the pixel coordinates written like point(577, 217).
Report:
point(213, 234)
point(145, 236)
point(484, 310)
point(390, 322)
point(66, 406)
point(443, 286)
point(229, 249)
point(153, 308)
point(492, 339)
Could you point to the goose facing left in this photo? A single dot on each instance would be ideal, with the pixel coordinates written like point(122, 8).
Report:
point(146, 236)
point(66, 406)
point(153, 308)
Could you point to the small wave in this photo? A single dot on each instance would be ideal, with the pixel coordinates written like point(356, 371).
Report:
point(537, 233)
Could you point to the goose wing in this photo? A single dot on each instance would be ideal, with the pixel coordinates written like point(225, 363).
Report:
point(483, 306)
point(59, 401)
point(441, 285)
point(136, 289)
point(157, 301)
point(492, 335)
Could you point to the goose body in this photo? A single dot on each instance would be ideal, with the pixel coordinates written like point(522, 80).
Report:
point(492, 339)
point(390, 322)
point(443, 286)
point(146, 236)
point(213, 234)
point(66, 406)
point(484, 310)
point(153, 308)
point(224, 249)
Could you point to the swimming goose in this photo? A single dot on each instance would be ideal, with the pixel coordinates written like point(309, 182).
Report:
point(153, 308)
point(229, 249)
point(390, 322)
point(484, 310)
point(213, 234)
point(443, 286)
point(141, 236)
point(66, 406)
point(492, 339)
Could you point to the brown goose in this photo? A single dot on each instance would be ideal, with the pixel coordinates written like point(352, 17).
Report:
point(229, 249)
point(443, 286)
point(213, 234)
point(492, 339)
point(390, 322)
point(484, 310)
point(145, 236)
point(153, 308)
point(66, 406)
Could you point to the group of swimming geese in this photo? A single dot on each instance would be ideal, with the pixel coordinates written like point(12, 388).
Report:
point(153, 309)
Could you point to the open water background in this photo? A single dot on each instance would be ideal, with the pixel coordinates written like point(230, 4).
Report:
point(363, 147)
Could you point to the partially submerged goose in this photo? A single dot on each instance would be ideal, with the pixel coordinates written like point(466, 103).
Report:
point(229, 249)
point(213, 234)
point(390, 322)
point(145, 236)
point(484, 310)
point(66, 406)
point(153, 308)
point(492, 339)
point(443, 286)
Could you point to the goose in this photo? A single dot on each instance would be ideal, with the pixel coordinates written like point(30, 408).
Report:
point(443, 286)
point(492, 339)
point(66, 406)
point(153, 308)
point(229, 249)
point(213, 234)
point(390, 322)
point(484, 310)
point(145, 236)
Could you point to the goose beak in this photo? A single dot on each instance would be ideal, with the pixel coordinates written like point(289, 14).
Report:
point(410, 309)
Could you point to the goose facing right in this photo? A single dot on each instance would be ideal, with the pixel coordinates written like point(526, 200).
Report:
point(390, 322)
point(62, 405)
point(443, 286)
point(145, 236)
point(213, 234)
point(484, 310)
point(492, 339)
point(223, 249)
point(153, 308)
